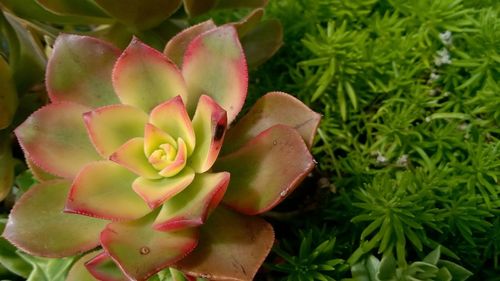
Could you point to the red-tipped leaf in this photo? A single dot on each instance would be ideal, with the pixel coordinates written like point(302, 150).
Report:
point(265, 170)
point(37, 224)
point(79, 71)
point(55, 138)
point(192, 206)
point(214, 64)
point(145, 78)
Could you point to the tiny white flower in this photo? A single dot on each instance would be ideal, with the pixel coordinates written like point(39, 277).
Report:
point(427, 119)
point(434, 76)
point(403, 160)
point(380, 158)
point(446, 37)
point(443, 57)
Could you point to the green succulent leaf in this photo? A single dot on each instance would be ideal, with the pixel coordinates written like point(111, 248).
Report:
point(209, 124)
point(43, 229)
point(7, 168)
point(192, 206)
point(111, 126)
point(79, 272)
point(67, 7)
point(140, 15)
point(103, 189)
point(214, 65)
point(8, 95)
point(80, 71)
point(262, 42)
point(145, 78)
point(177, 45)
point(55, 139)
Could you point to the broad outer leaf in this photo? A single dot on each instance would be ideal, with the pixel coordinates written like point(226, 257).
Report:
point(38, 226)
point(141, 251)
point(142, 14)
point(111, 126)
point(79, 71)
point(214, 65)
point(8, 95)
point(145, 78)
point(209, 124)
point(272, 109)
point(262, 42)
point(104, 190)
point(265, 170)
point(177, 45)
point(232, 247)
point(192, 206)
point(104, 268)
point(55, 138)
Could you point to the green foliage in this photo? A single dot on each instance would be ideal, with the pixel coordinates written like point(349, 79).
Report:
point(431, 268)
point(312, 262)
point(410, 132)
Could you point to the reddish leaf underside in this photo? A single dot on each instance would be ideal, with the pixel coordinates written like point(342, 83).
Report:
point(232, 247)
point(265, 170)
point(38, 225)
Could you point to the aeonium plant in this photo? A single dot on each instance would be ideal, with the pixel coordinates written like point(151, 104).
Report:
point(141, 168)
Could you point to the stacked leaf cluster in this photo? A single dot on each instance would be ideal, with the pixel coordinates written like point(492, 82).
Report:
point(408, 147)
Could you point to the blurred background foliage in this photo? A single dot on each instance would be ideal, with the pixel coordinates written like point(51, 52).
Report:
point(408, 149)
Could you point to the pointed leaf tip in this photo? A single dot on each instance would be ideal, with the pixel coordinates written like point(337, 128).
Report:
point(193, 205)
point(215, 65)
point(145, 78)
point(209, 124)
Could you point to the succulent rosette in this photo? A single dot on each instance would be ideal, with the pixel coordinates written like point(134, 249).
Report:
point(140, 165)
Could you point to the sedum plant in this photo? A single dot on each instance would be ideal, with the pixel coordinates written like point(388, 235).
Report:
point(140, 164)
